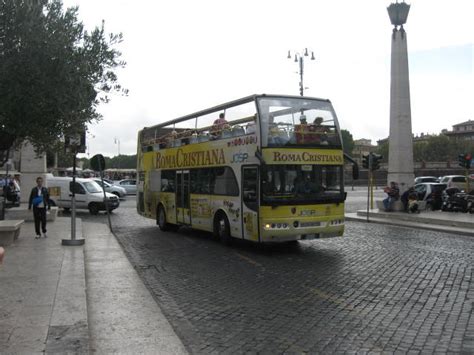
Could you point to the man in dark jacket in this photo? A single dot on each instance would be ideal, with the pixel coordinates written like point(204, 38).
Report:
point(39, 199)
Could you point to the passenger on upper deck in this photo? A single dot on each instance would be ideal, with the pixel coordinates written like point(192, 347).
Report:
point(219, 124)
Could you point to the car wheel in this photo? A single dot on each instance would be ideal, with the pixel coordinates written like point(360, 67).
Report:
point(116, 194)
point(66, 209)
point(222, 228)
point(93, 209)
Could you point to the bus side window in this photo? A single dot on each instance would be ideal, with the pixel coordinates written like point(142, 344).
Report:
point(168, 181)
point(200, 181)
point(225, 182)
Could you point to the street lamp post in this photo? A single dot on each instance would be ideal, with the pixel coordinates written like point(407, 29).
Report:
point(300, 59)
point(117, 141)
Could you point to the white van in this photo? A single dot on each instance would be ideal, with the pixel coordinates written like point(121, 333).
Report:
point(89, 194)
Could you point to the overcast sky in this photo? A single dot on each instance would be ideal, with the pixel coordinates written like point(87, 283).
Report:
point(186, 55)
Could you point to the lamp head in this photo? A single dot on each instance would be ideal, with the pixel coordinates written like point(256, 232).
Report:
point(398, 13)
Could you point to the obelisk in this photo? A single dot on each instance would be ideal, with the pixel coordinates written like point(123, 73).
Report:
point(400, 141)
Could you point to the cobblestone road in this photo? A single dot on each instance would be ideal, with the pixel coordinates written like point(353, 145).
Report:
point(380, 288)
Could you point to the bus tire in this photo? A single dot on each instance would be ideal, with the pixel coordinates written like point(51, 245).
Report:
point(93, 209)
point(161, 219)
point(222, 228)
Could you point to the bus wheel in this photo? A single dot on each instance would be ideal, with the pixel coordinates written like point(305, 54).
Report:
point(222, 228)
point(161, 220)
point(93, 209)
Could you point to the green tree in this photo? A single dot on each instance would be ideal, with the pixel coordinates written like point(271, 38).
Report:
point(347, 141)
point(420, 150)
point(53, 73)
point(382, 149)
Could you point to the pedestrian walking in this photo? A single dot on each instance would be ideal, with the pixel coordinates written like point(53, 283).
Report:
point(2, 254)
point(39, 199)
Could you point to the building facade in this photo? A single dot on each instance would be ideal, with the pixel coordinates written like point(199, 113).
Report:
point(464, 131)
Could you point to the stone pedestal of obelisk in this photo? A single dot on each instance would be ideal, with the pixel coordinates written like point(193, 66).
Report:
point(400, 160)
point(32, 166)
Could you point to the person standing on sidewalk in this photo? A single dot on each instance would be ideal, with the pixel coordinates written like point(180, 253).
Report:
point(39, 198)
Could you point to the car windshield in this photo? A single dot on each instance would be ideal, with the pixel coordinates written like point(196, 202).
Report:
point(429, 179)
point(298, 122)
point(106, 184)
point(92, 187)
point(287, 184)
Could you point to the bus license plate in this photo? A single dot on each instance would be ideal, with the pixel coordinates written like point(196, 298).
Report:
point(310, 236)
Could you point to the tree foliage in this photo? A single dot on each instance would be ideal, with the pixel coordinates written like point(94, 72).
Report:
point(118, 162)
point(347, 141)
point(435, 148)
point(53, 73)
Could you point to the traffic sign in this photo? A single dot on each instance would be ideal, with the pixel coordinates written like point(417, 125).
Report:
point(98, 162)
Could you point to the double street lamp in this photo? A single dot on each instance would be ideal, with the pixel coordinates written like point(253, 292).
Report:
point(299, 58)
point(117, 141)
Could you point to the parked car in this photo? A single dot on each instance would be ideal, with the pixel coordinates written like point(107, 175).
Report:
point(113, 189)
point(458, 181)
point(130, 185)
point(431, 193)
point(454, 200)
point(89, 194)
point(420, 179)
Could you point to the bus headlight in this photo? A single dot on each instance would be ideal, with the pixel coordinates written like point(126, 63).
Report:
point(276, 226)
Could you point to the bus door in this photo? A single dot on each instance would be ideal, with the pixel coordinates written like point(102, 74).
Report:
point(183, 213)
point(250, 197)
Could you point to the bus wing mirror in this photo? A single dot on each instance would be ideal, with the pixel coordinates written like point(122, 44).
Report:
point(355, 172)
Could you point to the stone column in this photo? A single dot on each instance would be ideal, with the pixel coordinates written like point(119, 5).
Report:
point(32, 166)
point(400, 161)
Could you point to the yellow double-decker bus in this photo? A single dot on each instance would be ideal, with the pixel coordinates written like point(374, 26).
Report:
point(264, 168)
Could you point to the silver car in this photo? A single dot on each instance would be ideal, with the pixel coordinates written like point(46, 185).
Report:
point(113, 189)
point(130, 185)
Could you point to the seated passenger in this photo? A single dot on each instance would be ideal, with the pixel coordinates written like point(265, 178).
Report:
point(218, 124)
point(250, 128)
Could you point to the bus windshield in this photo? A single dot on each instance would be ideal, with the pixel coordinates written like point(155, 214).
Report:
point(287, 184)
point(298, 122)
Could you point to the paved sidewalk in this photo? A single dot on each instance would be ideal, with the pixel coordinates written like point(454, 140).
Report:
point(45, 306)
point(449, 222)
point(123, 316)
point(43, 298)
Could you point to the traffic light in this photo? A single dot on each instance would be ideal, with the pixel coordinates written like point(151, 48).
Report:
point(365, 161)
point(376, 159)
